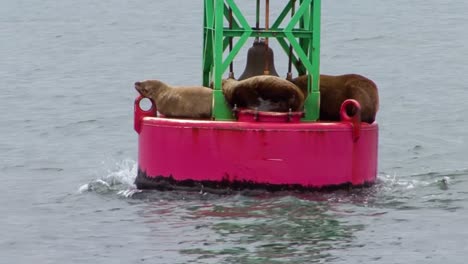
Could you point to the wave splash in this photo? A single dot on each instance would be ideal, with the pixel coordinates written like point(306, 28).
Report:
point(118, 180)
point(443, 179)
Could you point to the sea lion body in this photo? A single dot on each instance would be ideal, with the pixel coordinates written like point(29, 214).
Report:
point(180, 102)
point(265, 93)
point(334, 90)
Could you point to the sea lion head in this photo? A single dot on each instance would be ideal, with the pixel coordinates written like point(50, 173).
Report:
point(149, 88)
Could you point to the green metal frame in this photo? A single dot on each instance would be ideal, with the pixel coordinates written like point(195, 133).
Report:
point(303, 26)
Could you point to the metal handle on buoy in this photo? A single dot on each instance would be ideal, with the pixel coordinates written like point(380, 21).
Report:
point(140, 113)
point(355, 119)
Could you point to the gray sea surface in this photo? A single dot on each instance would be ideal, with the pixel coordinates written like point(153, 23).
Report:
point(68, 150)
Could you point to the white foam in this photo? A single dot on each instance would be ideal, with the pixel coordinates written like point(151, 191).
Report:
point(120, 178)
point(128, 193)
point(124, 173)
point(83, 188)
point(394, 180)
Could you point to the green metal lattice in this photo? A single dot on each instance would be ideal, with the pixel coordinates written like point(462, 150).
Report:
point(302, 33)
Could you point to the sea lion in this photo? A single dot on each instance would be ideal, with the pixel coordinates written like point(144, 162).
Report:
point(334, 90)
point(265, 93)
point(182, 101)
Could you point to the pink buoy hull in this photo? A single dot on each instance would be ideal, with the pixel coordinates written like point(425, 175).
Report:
point(309, 155)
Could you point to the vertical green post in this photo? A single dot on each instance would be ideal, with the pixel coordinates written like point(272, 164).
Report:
point(304, 42)
point(207, 41)
point(221, 110)
point(312, 103)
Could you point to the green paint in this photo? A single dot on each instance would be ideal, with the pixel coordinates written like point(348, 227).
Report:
point(302, 33)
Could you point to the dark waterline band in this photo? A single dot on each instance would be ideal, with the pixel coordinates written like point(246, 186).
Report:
point(225, 186)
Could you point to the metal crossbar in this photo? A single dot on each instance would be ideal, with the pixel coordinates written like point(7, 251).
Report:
point(301, 34)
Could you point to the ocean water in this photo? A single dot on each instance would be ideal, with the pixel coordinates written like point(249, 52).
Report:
point(68, 150)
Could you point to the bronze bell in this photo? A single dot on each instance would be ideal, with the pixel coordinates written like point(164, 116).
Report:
point(256, 60)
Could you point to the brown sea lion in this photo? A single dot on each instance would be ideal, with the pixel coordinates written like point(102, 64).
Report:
point(265, 93)
point(182, 102)
point(334, 90)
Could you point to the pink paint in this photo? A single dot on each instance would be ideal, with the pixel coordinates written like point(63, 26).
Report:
point(316, 154)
